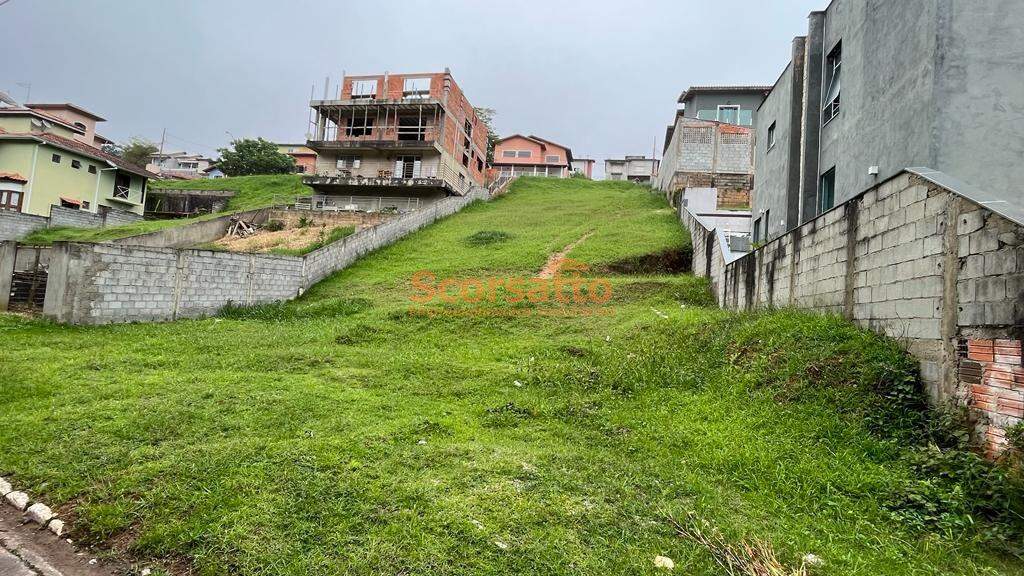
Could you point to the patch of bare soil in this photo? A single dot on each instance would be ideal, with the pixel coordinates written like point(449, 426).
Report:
point(556, 260)
point(265, 241)
point(672, 261)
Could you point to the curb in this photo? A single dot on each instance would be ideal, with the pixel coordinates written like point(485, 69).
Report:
point(36, 512)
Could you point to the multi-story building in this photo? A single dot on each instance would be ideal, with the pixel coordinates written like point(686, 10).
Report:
point(583, 166)
point(304, 156)
point(179, 165)
point(397, 135)
point(531, 156)
point(79, 118)
point(639, 169)
point(44, 162)
point(877, 87)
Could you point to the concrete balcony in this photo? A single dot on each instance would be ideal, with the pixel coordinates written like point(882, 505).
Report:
point(364, 144)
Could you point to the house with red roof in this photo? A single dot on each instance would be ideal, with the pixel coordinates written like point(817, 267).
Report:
point(531, 155)
point(49, 156)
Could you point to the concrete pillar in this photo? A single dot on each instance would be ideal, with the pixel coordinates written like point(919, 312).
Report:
point(813, 71)
point(57, 306)
point(8, 253)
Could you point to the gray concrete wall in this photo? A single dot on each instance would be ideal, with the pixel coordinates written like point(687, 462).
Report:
point(924, 83)
point(978, 95)
point(777, 179)
point(106, 283)
point(906, 258)
point(888, 77)
point(712, 101)
point(192, 234)
point(704, 147)
point(74, 218)
point(15, 225)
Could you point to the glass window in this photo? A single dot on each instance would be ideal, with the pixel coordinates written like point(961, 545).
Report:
point(707, 114)
point(771, 136)
point(55, 158)
point(833, 65)
point(757, 230)
point(551, 158)
point(729, 114)
point(524, 154)
point(508, 153)
point(827, 191)
point(746, 118)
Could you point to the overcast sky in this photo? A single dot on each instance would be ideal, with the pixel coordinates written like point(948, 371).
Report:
point(599, 76)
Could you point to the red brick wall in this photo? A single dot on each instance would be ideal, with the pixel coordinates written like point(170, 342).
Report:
point(992, 372)
point(459, 109)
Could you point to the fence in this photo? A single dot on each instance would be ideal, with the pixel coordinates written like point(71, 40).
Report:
point(921, 257)
point(106, 283)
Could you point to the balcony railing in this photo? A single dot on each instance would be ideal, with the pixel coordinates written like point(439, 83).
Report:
point(122, 192)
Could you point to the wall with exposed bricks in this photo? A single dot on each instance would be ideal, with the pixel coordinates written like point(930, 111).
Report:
point(909, 259)
point(106, 283)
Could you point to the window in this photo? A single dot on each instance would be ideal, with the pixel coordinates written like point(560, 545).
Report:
point(412, 128)
point(348, 162)
point(122, 186)
point(771, 136)
point(833, 65)
point(364, 89)
point(479, 165)
point(757, 229)
point(76, 164)
point(465, 160)
point(551, 158)
point(55, 158)
point(508, 153)
point(85, 204)
point(407, 167)
point(523, 154)
point(827, 191)
point(80, 126)
point(469, 128)
point(10, 200)
point(729, 114)
point(359, 126)
point(416, 88)
point(92, 168)
point(74, 205)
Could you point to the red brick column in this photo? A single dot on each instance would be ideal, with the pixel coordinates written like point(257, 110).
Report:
point(994, 375)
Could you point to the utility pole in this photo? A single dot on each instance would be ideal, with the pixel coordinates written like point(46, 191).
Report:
point(163, 136)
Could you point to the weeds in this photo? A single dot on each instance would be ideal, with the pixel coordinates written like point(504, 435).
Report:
point(487, 237)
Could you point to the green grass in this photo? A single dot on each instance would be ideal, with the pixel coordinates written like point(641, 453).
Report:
point(253, 192)
point(340, 434)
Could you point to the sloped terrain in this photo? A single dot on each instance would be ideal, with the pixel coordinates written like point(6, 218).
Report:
point(388, 422)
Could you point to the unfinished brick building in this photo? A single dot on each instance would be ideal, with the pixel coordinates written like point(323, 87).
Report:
point(408, 138)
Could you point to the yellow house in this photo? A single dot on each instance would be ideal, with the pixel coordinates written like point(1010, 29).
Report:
point(43, 163)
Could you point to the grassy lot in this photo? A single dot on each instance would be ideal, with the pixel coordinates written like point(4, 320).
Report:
point(253, 192)
point(355, 431)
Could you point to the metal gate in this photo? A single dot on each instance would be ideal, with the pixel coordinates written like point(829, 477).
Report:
point(28, 282)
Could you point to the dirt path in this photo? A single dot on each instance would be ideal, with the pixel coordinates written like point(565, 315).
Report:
point(555, 261)
point(27, 550)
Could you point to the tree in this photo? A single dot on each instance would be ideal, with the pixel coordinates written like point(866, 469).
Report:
point(138, 151)
point(254, 157)
point(486, 115)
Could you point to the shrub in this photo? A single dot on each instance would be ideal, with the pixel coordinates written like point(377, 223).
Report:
point(273, 226)
point(487, 237)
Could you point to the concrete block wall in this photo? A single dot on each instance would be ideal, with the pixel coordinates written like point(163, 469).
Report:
point(115, 217)
point(108, 283)
point(907, 258)
point(15, 225)
point(198, 232)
